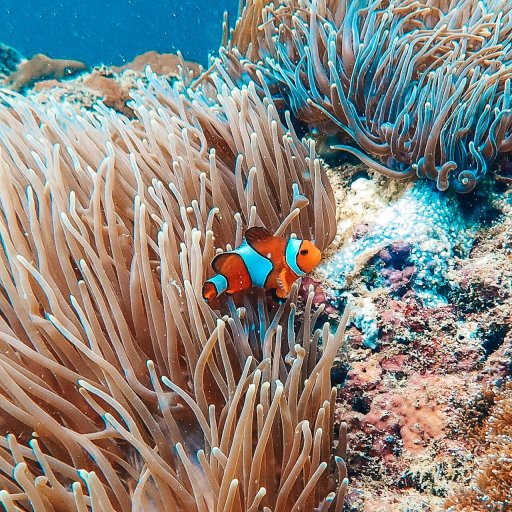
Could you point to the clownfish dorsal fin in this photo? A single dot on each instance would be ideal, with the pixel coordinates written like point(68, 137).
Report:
point(257, 234)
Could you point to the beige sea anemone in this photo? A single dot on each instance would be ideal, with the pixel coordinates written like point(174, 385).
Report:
point(120, 388)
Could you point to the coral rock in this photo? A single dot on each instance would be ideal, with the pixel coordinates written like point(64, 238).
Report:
point(40, 67)
point(112, 91)
point(161, 64)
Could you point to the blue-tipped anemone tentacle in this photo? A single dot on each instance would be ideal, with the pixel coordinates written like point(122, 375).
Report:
point(382, 74)
point(400, 175)
point(465, 182)
point(298, 201)
point(262, 319)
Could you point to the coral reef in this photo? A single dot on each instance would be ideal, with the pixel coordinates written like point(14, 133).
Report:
point(409, 239)
point(492, 483)
point(406, 241)
point(419, 88)
point(168, 64)
point(9, 60)
point(418, 372)
point(48, 80)
point(112, 92)
point(40, 67)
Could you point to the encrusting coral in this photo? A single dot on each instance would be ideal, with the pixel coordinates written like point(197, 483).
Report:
point(418, 220)
point(120, 388)
point(162, 64)
point(418, 87)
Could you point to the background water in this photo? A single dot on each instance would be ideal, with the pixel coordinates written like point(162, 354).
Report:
point(114, 31)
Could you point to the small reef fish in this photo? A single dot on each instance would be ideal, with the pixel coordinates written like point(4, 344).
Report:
point(263, 260)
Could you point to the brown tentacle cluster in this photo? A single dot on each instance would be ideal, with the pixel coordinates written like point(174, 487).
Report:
point(120, 388)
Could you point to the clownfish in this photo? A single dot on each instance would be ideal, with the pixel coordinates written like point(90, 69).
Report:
point(263, 260)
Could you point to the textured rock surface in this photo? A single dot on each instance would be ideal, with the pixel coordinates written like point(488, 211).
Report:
point(411, 240)
point(40, 67)
point(430, 277)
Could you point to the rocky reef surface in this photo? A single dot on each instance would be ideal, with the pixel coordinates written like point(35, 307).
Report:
point(429, 275)
point(48, 80)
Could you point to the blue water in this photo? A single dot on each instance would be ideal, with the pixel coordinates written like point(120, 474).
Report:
point(113, 31)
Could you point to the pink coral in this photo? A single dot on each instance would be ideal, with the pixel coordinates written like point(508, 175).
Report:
point(320, 296)
point(364, 375)
point(417, 415)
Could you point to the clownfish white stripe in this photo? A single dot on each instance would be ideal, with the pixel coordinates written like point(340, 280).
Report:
point(257, 265)
point(220, 283)
point(292, 249)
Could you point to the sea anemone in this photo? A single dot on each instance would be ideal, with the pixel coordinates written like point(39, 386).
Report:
point(120, 388)
point(417, 87)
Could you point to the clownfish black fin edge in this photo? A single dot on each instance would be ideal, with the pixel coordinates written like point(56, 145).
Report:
point(275, 296)
point(221, 263)
point(257, 234)
point(220, 260)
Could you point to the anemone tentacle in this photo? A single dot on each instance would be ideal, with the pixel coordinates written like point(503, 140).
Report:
point(414, 82)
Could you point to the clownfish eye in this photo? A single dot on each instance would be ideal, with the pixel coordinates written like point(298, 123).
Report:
point(304, 252)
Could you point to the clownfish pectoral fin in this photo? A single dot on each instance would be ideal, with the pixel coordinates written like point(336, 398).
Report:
point(281, 293)
point(285, 280)
point(256, 234)
point(288, 277)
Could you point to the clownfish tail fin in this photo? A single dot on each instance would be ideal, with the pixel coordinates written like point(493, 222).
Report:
point(209, 292)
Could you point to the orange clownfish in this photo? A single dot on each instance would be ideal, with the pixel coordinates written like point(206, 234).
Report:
point(263, 260)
